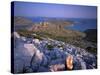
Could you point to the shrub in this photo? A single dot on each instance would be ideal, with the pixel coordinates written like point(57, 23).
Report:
point(92, 49)
point(50, 47)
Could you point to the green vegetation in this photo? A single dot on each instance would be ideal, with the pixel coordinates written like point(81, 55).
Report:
point(92, 50)
point(91, 35)
point(50, 47)
point(74, 40)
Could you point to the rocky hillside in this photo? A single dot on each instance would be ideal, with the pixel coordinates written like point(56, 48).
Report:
point(21, 21)
point(91, 35)
point(46, 46)
point(48, 55)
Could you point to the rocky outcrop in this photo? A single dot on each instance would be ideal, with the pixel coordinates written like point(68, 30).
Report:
point(34, 55)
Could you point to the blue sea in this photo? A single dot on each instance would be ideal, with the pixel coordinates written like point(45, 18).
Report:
point(83, 24)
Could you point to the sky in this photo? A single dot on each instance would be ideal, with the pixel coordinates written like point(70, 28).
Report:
point(28, 9)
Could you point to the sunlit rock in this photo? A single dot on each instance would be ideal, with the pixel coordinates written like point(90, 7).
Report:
point(23, 38)
point(36, 41)
point(16, 35)
point(69, 62)
point(58, 67)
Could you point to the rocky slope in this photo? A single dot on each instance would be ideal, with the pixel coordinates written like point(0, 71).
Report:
point(21, 21)
point(91, 35)
point(46, 55)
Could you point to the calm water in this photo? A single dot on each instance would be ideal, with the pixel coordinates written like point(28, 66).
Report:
point(83, 24)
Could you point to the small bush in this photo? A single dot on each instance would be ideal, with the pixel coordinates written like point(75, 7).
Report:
point(50, 47)
point(92, 50)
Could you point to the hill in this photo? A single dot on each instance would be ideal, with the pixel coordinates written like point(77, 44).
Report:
point(91, 35)
point(21, 21)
